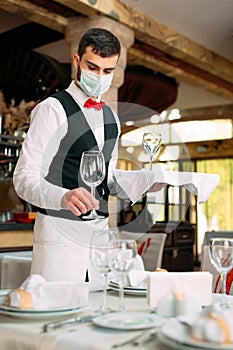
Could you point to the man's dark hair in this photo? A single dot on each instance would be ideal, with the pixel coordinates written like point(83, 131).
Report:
point(103, 43)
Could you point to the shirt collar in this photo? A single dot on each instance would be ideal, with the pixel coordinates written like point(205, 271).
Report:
point(77, 93)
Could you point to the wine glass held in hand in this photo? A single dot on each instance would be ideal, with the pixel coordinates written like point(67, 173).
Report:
point(101, 249)
point(122, 261)
point(151, 144)
point(93, 170)
point(221, 256)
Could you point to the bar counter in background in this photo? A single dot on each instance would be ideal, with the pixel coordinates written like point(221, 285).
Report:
point(15, 236)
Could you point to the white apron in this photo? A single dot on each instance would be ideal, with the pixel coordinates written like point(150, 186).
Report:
point(61, 248)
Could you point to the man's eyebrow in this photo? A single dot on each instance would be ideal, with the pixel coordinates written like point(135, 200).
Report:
point(95, 65)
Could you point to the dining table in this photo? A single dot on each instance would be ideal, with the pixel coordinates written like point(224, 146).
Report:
point(19, 332)
point(22, 333)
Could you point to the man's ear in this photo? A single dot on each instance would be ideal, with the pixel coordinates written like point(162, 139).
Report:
point(76, 60)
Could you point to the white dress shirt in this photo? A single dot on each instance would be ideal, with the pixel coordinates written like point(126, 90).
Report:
point(48, 126)
point(61, 246)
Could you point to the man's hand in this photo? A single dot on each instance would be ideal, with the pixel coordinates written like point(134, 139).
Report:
point(157, 186)
point(79, 201)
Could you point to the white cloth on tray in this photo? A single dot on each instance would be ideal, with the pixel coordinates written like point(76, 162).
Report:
point(136, 182)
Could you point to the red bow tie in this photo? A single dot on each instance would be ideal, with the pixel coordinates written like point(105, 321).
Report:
point(93, 104)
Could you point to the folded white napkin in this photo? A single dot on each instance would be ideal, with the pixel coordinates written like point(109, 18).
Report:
point(199, 284)
point(136, 182)
point(137, 278)
point(43, 295)
point(214, 325)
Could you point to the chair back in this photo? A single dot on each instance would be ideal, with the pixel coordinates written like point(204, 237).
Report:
point(15, 268)
point(150, 247)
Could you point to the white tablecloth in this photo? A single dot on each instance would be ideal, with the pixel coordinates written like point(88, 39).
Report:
point(18, 334)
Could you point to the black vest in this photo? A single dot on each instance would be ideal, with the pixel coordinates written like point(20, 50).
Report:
point(64, 169)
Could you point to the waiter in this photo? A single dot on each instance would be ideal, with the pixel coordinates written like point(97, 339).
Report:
point(62, 127)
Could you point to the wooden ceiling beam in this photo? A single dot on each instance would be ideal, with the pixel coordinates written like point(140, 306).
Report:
point(181, 71)
point(35, 13)
point(152, 33)
point(194, 114)
point(156, 46)
point(206, 113)
point(216, 149)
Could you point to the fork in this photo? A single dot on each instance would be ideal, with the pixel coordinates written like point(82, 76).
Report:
point(139, 339)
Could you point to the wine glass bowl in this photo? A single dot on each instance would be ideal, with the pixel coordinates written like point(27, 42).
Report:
point(151, 144)
point(92, 170)
point(221, 257)
point(122, 261)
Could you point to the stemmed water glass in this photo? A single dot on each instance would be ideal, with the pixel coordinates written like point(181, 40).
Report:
point(101, 249)
point(221, 256)
point(92, 170)
point(122, 261)
point(151, 143)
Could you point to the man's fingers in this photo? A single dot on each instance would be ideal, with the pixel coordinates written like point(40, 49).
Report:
point(88, 199)
point(79, 201)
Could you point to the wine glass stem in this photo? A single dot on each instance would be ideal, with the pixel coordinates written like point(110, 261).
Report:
point(121, 294)
point(93, 191)
point(224, 289)
point(224, 283)
point(93, 211)
point(105, 291)
point(151, 160)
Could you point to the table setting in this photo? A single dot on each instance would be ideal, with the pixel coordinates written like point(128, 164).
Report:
point(141, 328)
point(144, 309)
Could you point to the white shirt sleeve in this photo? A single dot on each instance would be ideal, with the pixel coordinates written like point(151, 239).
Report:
point(48, 127)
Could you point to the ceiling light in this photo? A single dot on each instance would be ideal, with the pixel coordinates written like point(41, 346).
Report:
point(174, 114)
point(129, 123)
point(155, 119)
point(130, 149)
point(163, 115)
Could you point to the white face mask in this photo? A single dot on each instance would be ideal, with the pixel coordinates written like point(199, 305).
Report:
point(94, 84)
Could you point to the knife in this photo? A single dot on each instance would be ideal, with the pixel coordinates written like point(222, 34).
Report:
point(52, 326)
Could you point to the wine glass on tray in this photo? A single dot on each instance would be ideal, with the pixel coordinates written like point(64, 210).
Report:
point(221, 257)
point(151, 143)
point(122, 261)
point(92, 170)
point(101, 249)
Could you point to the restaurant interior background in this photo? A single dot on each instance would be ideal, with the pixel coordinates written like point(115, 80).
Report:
point(182, 75)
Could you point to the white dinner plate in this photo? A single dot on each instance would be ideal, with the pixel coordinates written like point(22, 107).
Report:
point(39, 314)
point(4, 292)
point(128, 320)
point(128, 289)
point(175, 334)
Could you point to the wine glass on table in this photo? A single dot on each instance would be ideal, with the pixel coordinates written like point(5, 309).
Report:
point(101, 249)
point(221, 257)
point(151, 143)
point(122, 261)
point(92, 170)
